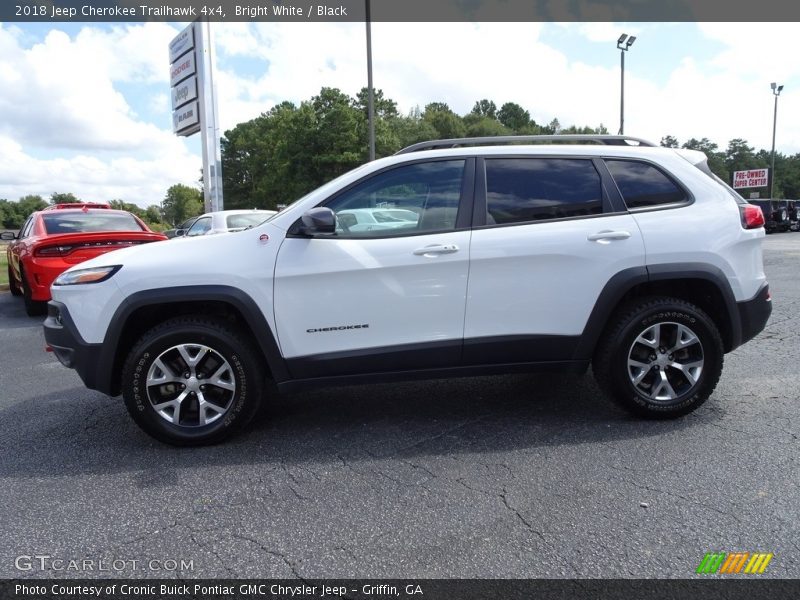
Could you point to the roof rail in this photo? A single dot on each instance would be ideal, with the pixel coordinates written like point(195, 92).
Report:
point(608, 140)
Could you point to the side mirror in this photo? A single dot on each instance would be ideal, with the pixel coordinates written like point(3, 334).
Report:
point(320, 220)
point(8, 236)
point(180, 233)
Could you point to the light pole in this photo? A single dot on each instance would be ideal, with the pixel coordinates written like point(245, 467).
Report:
point(622, 50)
point(776, 91)
point(370, 91)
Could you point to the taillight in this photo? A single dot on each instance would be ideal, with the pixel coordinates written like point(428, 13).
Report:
point(51, 251)
point(752, 217)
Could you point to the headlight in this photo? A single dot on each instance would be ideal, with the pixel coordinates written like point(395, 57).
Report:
point(94, 275)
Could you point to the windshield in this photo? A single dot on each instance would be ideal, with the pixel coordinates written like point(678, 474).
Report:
point(89, 222)
point(246, 220)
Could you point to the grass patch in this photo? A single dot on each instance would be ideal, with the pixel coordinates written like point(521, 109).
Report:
point(3, 264)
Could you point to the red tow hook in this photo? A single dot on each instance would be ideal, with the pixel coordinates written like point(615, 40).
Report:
point(48, 348)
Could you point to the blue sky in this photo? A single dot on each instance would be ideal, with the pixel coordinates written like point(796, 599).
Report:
point(85, 107)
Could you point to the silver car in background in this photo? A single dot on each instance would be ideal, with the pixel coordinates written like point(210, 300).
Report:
point(227, 221)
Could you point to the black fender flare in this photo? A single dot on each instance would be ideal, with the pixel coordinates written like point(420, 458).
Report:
point(624, 281)
point(239, 300)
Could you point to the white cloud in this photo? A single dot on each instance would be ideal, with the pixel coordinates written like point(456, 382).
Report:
point(140, 181)
point(60, 93)
point(720, 96)
point(61, 98)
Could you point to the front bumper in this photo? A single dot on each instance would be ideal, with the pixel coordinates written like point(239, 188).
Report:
point(72, 351)
point(754, 314)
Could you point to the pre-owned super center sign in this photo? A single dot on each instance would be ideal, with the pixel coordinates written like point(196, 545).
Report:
point(751, 179)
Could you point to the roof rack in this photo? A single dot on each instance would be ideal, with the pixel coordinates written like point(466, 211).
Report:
point(608, 140)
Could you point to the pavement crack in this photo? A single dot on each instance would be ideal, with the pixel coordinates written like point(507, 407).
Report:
point(504, 498)
point(210, 549)
point(275, 553)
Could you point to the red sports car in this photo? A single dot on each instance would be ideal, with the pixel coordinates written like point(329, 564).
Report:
point(54, 239)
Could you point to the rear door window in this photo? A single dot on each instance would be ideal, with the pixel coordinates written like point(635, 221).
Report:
point(521, 190)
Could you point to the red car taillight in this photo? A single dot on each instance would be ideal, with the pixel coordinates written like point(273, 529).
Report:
point(752, 217)
point(51, 251)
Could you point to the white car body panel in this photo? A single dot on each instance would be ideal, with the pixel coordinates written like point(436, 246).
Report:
point(198, 261)
point(403, 297)
point(544, 278)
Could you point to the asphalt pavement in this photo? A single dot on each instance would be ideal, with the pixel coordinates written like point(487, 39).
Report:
point(517, 476)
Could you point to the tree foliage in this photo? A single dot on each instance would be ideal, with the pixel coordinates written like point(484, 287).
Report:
point(180, 203)
point(63, 198)
point(292, 149)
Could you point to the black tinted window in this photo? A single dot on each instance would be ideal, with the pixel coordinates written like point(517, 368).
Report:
point(85, 222)
point(532, 189)
point(643, 185)
point(409, 199)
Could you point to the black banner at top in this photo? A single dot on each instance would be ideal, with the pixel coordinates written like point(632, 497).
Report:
point(399, 10)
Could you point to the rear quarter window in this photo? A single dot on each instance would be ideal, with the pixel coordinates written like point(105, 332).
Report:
point(643, 185)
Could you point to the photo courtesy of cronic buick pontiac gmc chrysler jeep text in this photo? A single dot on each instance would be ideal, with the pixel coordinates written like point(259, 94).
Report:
point(454, 257)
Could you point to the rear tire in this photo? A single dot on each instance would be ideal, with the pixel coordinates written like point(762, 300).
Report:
point(12, 283)
point(33, 308)
point(192, 381)
point(660, 358)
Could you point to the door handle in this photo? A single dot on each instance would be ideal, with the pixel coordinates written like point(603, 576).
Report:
point(436, 249)
point(607, 236)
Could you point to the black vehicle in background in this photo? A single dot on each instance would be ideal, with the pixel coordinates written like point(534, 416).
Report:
point(182, 228)
point(777, 214)
point(793, 206)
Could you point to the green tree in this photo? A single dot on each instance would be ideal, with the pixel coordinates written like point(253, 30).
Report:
point(669, 141)
point(63, 198)
point(481, 126)
point(514, 117)
point(182, 202)
point(153, 214)
point(30, 203)
point(716, 160)
point(444, 121)
point(485, 108)
point(385, 108)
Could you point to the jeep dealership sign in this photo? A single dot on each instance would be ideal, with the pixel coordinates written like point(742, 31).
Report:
point(182, 79)
point(194, 107)
point(750, 179)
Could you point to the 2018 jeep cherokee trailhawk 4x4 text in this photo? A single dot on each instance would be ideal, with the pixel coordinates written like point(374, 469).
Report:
point(464, 259)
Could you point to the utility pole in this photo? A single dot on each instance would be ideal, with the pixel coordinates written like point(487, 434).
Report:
point(370, 91)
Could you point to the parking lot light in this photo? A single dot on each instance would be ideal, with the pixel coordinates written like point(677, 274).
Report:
point(624, 44)
point(776, 91)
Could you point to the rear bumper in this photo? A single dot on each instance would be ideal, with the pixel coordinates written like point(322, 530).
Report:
point(71, 351)
point(754, 314)
point(41, 273)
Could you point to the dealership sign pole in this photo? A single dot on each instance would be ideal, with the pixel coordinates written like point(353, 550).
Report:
point(194, 107)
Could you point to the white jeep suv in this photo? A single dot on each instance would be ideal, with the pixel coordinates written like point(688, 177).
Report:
point(514, 256)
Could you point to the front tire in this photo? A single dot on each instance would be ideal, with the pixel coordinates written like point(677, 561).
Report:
point(192, 381)
point(659, 358)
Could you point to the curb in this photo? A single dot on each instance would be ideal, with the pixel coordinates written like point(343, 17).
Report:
point(4, 287)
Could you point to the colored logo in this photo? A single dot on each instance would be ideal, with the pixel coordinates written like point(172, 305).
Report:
point(726, 563)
